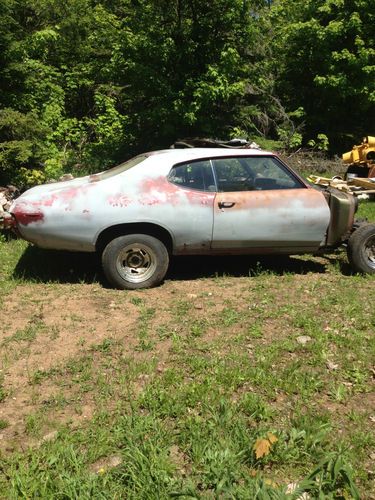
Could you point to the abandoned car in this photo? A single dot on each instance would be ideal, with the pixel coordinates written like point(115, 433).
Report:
point(190, 201)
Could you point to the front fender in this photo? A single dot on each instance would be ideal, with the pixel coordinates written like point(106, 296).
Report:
point(343, 207)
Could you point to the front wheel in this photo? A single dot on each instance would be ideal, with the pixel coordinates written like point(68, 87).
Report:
point(356, 171)
point(361, 249)
point(135, 261)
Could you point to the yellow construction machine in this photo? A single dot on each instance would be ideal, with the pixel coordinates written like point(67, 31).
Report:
point(361, 159)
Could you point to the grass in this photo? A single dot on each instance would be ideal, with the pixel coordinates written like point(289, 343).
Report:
point(366, 210)
point(206, 393)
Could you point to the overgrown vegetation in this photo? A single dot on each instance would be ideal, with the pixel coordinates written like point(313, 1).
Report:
point(237, 378)
point(87, 83)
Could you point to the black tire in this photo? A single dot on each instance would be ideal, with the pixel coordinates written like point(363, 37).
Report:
point(135, 261)
point(356, 171)
point(361, 249)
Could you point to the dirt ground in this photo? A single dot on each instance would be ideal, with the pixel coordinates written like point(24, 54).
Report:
point(47, 325)
point(69, 320)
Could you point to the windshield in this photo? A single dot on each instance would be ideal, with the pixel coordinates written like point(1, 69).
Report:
point(118, 169)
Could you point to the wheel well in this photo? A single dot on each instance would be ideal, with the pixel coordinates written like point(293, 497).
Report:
point(150, 229)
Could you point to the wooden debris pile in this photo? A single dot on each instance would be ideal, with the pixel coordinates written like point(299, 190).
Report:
point(7, 194)
point(359, 186)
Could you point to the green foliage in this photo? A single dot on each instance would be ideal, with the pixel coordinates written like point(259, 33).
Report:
point(22, 142)
point(327, 54)
point(136, 75)
point(321, 143)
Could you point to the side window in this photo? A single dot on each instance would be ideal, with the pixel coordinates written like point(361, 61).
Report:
point(269, 173)
point(255, 173)
point(195, 175)
point(232, 175)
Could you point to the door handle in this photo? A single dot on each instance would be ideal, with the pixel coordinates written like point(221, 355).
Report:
point(226, 204)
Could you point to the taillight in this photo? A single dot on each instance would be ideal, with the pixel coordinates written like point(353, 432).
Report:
point(26, 218)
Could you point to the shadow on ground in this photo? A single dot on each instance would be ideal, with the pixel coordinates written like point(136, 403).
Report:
point(39, 265)
point(184, 268)
point(44, 266)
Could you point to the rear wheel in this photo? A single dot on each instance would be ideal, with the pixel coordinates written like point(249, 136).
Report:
point(361, 249)
point(135, 261)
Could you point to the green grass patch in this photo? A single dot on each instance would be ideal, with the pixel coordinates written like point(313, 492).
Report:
point(366, 210)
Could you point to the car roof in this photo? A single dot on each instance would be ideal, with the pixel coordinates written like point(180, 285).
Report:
point(194, 153)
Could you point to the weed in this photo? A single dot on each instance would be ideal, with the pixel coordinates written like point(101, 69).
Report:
point(339, 393)
point(147, 313)
point(164, 332)
point(255, 407)
point(33, 424)
point(229, 317)
point(3, 392)
point(137, 301)
point(28, 334)
point(105, 346)
point(332, 474)
point(54, 333)
point(181, 308)
point(255, 331)
point(3, 424)
point(56, 401)
point(39, 376)
point(198, 327)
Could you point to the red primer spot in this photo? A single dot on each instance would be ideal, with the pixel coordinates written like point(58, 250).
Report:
point(47, 202)
point(158, 184)
point(200, 197)
point(149, 201)
point(66, 196)
point(158, 190)
point(119, 200)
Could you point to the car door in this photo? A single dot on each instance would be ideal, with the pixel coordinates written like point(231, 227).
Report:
point(261, 206)
point(191, 220)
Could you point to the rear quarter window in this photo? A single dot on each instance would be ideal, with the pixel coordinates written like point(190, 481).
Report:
point(196, 175)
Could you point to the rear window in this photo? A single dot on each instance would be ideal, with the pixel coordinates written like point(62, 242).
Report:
point(119, 169)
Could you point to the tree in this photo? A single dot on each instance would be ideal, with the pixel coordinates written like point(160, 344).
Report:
point(326, 64)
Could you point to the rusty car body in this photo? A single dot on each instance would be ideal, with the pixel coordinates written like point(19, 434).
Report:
point(188, 201)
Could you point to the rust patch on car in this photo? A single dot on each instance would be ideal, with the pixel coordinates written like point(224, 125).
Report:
point(277, 199)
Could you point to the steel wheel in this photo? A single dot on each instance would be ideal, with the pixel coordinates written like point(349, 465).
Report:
point(136, 263)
